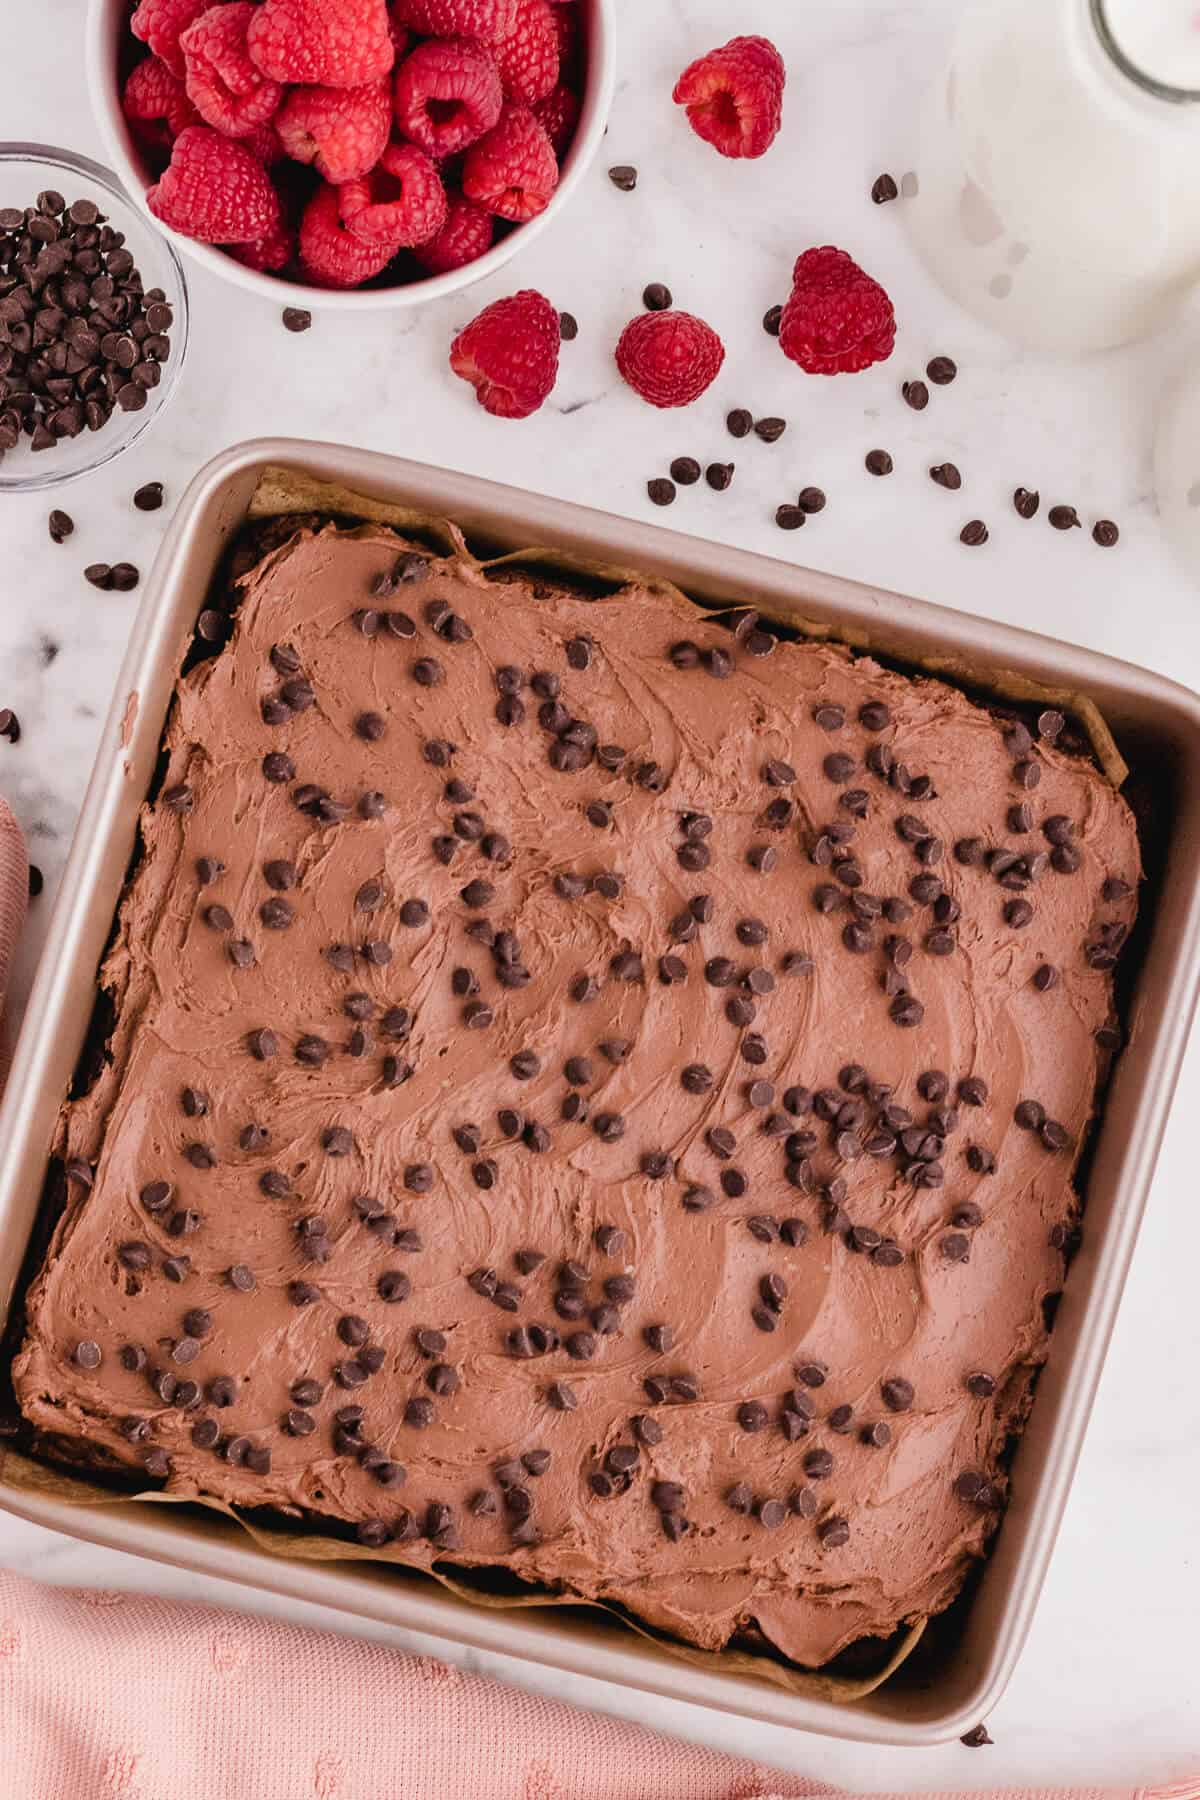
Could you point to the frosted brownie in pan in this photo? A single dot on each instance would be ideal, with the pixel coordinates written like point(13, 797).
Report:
point(592, 1092)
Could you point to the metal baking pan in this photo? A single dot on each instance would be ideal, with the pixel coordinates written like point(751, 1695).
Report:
point(939, 1693)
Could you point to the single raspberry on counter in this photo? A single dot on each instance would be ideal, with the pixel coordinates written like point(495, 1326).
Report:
point(513, 170)
point(328, 43)
point(509, 354)
point(558, 116)
point(225, 87)
point(734, 96)
point(214, 190)
point(269, 254)
point(464, 237)
point(669, 358)
point(838, 319)
point(160, 24)
point(401, 202)
point(156, 104)
point(447, 94)
point(486, 20)
point(527, 56)
point(329, 254)
point(342, 131)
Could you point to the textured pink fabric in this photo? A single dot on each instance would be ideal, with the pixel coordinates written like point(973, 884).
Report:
point(111, 1696)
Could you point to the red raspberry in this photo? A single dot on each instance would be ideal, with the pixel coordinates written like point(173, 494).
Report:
point(223, 84)
point(558, 115)
point(160, 23)
point(400, 203)
point(330, 255)
point(566, 21)
point(669, 358)
point(512, 171)
point(509, 354)
point(331, 43)
point(838, 320)
point(214, 190)
point(734, 96)
point(397, 29)
point(446, 95)
point(466, 234)
point(342, 131)
point(263, 142)
point(527, 56)
point(156, 105)
point(486, 20)
point(268, 254)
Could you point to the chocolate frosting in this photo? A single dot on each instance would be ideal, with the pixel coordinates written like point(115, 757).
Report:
point(890, 1352)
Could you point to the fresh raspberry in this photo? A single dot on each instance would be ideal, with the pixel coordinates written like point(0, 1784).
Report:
point(222, 83)
point(558, 115)
point(263, 143)
point(465, 236)
point(268, 254)
point(446, 95)
point(156, 105)
point(512, 171)
point(400, 203)
point(509, 354)
point(342, 131)
point(838, 319)
point(734, 96)
point(527, 56)
point(161, 23)
point(214, 190)
point(397, 29)
point(565, 17)
point(330, 255)
point(327, 43)
point(669, 358)
point(487, 20)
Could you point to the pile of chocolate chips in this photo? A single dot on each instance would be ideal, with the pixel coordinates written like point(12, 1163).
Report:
point(79, 336)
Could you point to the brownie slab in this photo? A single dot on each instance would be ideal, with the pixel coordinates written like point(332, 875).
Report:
point(593, 1091)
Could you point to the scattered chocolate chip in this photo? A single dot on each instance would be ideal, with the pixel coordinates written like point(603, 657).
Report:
point(568, 327)
point(771, 320)
point(719, 476)
point(883, 188)
point(878, 462)
point(1063, 517)
point(915, 394)
point(296, 318)
point(149, 497)
point(656, 297)
point(973, 532)
point(946, 475)
point(1026, 501)
point(941, 370)
point(686, 471)
point(661, 491)
point(789, 518)
point(976, 1738)
point(61, 525)
point(811, 500)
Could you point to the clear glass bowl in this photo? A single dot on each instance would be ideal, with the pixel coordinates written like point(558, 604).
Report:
point(25, 170)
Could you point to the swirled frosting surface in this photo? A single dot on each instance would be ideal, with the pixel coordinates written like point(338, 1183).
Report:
point(595, 1129)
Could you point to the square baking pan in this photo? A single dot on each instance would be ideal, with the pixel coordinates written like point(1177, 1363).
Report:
point(962, 1667)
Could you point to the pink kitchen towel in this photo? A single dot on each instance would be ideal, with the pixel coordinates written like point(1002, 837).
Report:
point(114, 1696)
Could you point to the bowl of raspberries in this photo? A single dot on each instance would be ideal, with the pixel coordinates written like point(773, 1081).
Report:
point(352, 153)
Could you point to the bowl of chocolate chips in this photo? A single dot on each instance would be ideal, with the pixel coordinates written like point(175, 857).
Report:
point(93, 318)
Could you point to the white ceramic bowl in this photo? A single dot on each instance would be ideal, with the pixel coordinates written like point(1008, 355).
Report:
point(106, 25)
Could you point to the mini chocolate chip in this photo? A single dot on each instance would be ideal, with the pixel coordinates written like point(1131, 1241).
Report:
point(878, 462)
point(974, 532)
point(623, 176)
point(1063, 517)
point(941, 370)
point(1026, 501)
point(883, 188)
point(660, 490)
point(1105, 533)
point(685, 470)
point(771, 320)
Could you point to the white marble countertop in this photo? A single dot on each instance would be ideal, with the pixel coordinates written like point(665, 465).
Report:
point(1106, 1689)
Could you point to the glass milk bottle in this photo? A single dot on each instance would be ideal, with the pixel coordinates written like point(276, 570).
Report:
point(1058, 168)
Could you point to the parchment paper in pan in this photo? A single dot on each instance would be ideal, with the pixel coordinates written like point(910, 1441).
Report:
point(283, 492)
